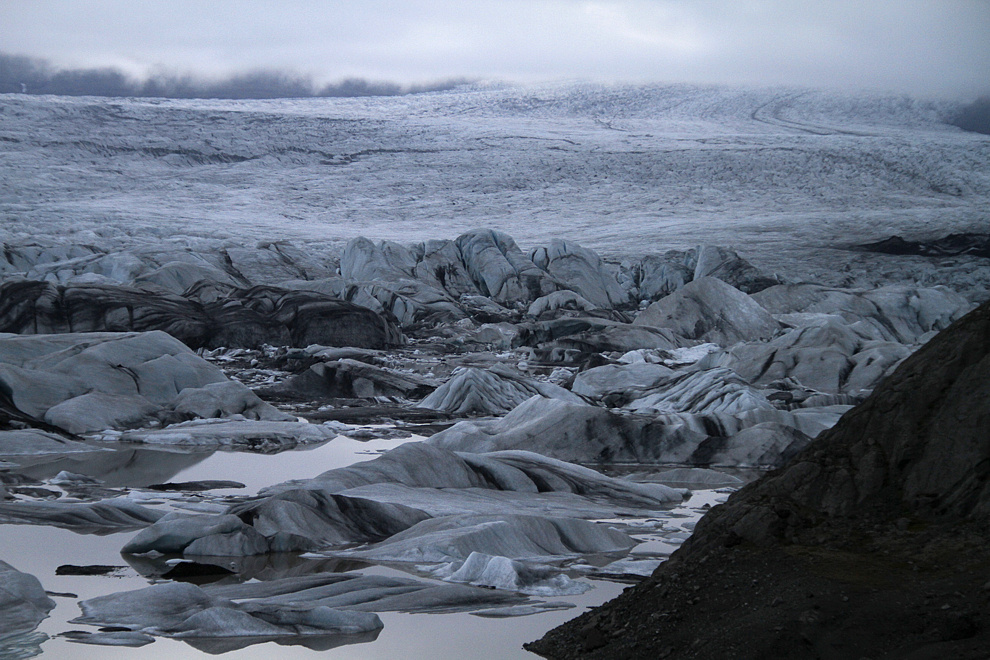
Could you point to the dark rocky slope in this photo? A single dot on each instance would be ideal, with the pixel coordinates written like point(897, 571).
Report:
point(871, 543)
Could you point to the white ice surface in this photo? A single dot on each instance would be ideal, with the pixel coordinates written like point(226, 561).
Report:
point(773, 172)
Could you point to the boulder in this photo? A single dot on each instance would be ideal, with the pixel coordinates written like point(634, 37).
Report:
point(93, 381)
point(560, 301)
point(726, 265)
point(493, 391)
point(625, 381)
point(581, 270)
point(703, 392)
point(710, 310)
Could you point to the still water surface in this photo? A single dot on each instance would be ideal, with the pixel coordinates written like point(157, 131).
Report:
point(39, 550)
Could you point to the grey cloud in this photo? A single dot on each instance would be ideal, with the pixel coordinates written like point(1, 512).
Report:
point(902, 45)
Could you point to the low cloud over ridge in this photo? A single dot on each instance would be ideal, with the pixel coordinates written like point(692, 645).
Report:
point(21, 74)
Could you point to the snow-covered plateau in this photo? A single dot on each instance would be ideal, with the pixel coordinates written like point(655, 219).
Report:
point(778, 174)
point(398, 374)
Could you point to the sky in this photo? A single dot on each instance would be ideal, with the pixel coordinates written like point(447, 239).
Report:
point(925, 47)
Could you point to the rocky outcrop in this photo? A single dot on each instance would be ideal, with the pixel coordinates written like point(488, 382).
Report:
point(237, 317)
point(654, 276)
point(977, 245)
point(499, 268)
point(357, 504)
point(918, 446)
point(347, 378)
point(589, 434)
point(419, 285)
point(896, 313)
point(594, 335)
point(582, 270)
point(862, 525)
point(826, 355)
point(81, 382)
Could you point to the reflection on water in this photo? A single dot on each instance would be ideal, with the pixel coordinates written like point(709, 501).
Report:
point(127, 466)
point(408, 636)
point(39, 550)
point(272, 566)
point(21, 645)
point(216, 646)
point(120, 468)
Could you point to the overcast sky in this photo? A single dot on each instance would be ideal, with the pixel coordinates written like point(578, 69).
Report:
point(931, 47)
